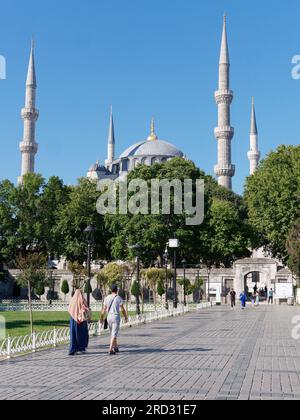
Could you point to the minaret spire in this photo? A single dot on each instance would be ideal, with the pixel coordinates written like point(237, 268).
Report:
point(111, 140)
point(30, 114)
point(224, 133)
point(254, 153)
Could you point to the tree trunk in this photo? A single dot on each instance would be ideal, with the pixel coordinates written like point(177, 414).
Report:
point(30, 308)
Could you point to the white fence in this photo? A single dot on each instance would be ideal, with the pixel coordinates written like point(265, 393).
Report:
point(63, 307)
point(53, 338)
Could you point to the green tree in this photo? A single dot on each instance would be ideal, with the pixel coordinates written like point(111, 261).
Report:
point(87, 289)
point(161, 288)
point(65, 289)
point(135, 290)
point(293, 248)
point(79, 274)
point(272, 195)
point(73, 218)
point(33, 275)
point(153, 231)
point(28, 215)
point(39, 290)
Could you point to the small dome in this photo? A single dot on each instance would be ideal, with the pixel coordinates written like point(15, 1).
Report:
point(98, 168)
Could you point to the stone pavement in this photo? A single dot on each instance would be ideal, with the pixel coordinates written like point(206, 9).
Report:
point(211, 354)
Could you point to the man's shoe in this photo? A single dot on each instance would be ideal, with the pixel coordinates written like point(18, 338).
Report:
point(112, 353)
point(117, 350)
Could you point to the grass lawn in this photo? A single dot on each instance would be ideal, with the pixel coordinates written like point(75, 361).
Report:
point(17, 323)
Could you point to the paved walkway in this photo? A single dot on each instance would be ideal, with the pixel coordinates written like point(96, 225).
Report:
point(213, 354)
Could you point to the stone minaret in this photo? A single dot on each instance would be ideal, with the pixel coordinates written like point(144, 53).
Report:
point(224, 133)
point(30, 114)
point(111, 141)
point(254, 154)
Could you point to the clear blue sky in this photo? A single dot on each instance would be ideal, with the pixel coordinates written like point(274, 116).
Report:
point(147, 58)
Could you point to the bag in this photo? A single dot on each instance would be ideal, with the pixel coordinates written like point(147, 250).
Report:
point(105, 325)
point(87, 316)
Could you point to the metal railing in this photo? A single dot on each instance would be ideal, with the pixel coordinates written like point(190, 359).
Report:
point(52, 338)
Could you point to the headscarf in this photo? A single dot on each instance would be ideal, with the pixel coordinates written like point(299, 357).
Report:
point(78, 307)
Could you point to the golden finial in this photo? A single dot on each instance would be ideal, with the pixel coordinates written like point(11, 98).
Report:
point(152, 136)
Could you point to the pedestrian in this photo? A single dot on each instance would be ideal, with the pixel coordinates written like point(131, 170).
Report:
point(257, 299)
point(266, 292)
point(113, 305)
point(233, 299)
point(243, 299)
point(79, 333)
point(253, 299)
point(255, 289)
point(271, 297)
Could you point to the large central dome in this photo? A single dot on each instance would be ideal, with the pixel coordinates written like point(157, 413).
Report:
point(152, 148)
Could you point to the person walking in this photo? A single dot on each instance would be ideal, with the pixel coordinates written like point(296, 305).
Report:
point(233, 299)
point(243, 299)
point(113, 305)
point(271, 297)
point(79, 334)
point(257, 299)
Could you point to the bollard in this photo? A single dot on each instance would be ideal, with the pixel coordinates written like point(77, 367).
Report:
point(8, 348)
point(54, 338)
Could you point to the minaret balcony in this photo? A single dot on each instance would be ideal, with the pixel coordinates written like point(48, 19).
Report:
point(224, 96)
point(29, 147)
point(30, 114)
point(254, 155)
point(225, 170)
point(226, 132)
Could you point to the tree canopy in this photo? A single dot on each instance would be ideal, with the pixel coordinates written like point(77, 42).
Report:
point(273, 198)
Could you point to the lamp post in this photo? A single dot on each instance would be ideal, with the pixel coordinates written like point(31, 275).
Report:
point(166, 259)
point(137, 251)
point(174, 244)
point(184, 263)
point(89, 232)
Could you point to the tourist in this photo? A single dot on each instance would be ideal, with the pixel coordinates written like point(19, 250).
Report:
point(271, 297)
point(233, 299)
point(113, 305)
point(257, 299)
point(243, 299)
point(79, 333)
point(253, 299)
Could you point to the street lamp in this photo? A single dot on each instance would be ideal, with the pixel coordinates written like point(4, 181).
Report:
point(137, 251)
point(174, 244)
point(166, 259)
point(89, 233)
point(184, 263)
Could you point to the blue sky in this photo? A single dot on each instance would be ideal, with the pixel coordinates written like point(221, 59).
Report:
point(148, 58)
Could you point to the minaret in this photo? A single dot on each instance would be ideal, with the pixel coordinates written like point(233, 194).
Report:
point(30, 114)
point(254, 154)
point(111, 141)
point(224, 133)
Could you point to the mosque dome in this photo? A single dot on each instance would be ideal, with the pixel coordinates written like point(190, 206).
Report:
point(153, 146)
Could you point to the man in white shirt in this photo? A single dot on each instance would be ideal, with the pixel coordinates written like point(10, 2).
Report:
point(113, 305)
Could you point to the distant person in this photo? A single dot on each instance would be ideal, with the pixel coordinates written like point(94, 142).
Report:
point(257, 299)
point(266, 291)
point(79, 333)
point(243, 299)
point(255, 289)
point(233, 299)
point(271, 297)
point(113, 305)
point(253, 296)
